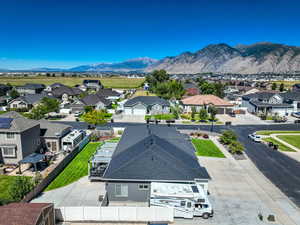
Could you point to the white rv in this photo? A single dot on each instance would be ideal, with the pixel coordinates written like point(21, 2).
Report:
point(188, 200)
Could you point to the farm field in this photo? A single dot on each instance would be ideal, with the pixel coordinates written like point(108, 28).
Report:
point(287, 84)
point(109, 82)
point(281, 146)
point(291, 139)
point(207, 148)
point(76, 169)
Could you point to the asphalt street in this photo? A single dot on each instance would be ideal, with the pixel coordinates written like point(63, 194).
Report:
point(280, 169)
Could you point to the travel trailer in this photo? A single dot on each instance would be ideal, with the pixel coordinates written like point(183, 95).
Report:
point(188, 200)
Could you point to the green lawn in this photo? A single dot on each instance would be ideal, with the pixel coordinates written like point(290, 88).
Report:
point(5, 182)
point(76, 169)
point(115, 139)
point(108, 82)
point(207, 148)
point(268, 132)
point(291, 139)
point(281, 146)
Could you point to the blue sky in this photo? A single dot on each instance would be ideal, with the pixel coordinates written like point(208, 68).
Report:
point(66, 33)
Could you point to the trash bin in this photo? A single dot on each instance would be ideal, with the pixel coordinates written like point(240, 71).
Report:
point(270, 144)
point(228, 123)
point(275, 147)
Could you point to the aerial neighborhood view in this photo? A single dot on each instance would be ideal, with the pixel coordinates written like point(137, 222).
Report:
point(149, 112)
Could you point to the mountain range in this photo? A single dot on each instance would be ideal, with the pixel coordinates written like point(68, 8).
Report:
point(243, 59)
point(262, 57)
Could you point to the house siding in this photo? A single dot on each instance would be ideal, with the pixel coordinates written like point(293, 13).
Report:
point(30, 140)
point(16, 141)
point(134, 194)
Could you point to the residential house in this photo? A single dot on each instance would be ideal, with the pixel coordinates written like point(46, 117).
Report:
point(27, 101)
point(53, 86)
point(143, 105)
point(109, 94)
point(148, 154)
point(296, 87)
point(92, 84)
point(4, 89)
point(19, 137)
point(65, 93)
point(27, 214)
point(52, 134)
point(274, 103)
point(204, 101)
point(30, 89)
point(94, 100)
point(191, 89)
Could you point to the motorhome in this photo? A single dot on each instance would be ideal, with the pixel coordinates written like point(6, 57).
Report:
point(188, 200)
point(72, 139)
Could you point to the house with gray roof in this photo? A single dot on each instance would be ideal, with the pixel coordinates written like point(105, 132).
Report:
point(27, 101)
point(143, 105)
point(19, 137)
point(52, 134)
point(65, 93)
point(109, 94)
point(30, 88)
point(94, 100)
point(92, 84)
point(282, 104)
point(148, 154)
point(296, 87)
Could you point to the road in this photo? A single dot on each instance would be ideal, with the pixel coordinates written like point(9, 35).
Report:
point(280, 169)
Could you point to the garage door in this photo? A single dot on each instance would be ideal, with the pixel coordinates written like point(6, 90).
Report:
point(139, 112)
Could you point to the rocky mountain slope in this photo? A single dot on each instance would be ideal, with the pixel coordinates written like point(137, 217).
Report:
point(243, 59)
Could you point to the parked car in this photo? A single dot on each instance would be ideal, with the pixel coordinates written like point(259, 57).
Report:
point(254, 137)
point(77, 114)
point(296, 114)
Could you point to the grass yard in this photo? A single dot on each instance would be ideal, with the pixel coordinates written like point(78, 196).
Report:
point(142, 93)
point(281, 146)
point(115, 139)
point(76, 169)
point(291, 139)
point(207, 148)
point(268, 132)
point(109, 82)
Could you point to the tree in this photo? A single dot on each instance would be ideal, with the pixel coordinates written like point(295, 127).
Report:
point(236, 147)
point(193, 112)
point(208, 88)
point(37, 112)
point(50, 104)
point(281, 87)
point(274, 86)
point(171, 89)
point(228, 137)
point(156, 77)
point(219, 89)
point(213, 112)
point(95, 117)
point(203, 115)
point(14, 94)
point(88, 108)
point(175, 111)
point(20, 187)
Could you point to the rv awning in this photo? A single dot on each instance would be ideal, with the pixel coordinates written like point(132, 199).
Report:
point(33, 158)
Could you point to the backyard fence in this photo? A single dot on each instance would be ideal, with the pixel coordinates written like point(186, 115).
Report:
point(114, 214)
point(54, 173)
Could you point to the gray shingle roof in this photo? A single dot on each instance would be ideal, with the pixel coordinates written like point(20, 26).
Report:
point(259, 95)
point(19, 122)
point(291, 96)
point(157, 153)
point(32, 98)
point(52, 129)
point(71, 91)
point(32, 86)
point(93, 99)
point(107, 92)
point(263, 104)
point(146, 100)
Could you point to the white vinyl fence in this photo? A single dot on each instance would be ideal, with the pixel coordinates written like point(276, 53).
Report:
point(105, 214)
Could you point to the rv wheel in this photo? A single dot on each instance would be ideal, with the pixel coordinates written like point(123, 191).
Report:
point(205, 216)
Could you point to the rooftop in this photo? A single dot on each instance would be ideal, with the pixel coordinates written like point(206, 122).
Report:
point(146, 100)
point(151, 153)
point(18, 123)
point(205, 100)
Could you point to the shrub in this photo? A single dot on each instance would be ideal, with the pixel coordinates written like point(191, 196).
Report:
point(186, 116)
point(236, 147)
point(228, 137)
point(20, 187)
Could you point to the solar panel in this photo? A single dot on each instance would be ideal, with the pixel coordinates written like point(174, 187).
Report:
point(5, 122)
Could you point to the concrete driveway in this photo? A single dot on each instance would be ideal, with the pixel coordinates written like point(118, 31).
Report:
point(80, 193)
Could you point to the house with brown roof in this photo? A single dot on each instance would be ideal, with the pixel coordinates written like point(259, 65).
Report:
point(27, 214)
point(204, 101)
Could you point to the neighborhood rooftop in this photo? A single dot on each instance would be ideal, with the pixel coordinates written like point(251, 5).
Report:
point(147, 100)
point(152, 153)
point(205, 100)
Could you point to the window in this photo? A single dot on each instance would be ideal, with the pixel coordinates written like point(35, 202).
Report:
point(143, 187)
point(121, 190)
point(182, 203)
point(10, 136)
point(8, 152)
